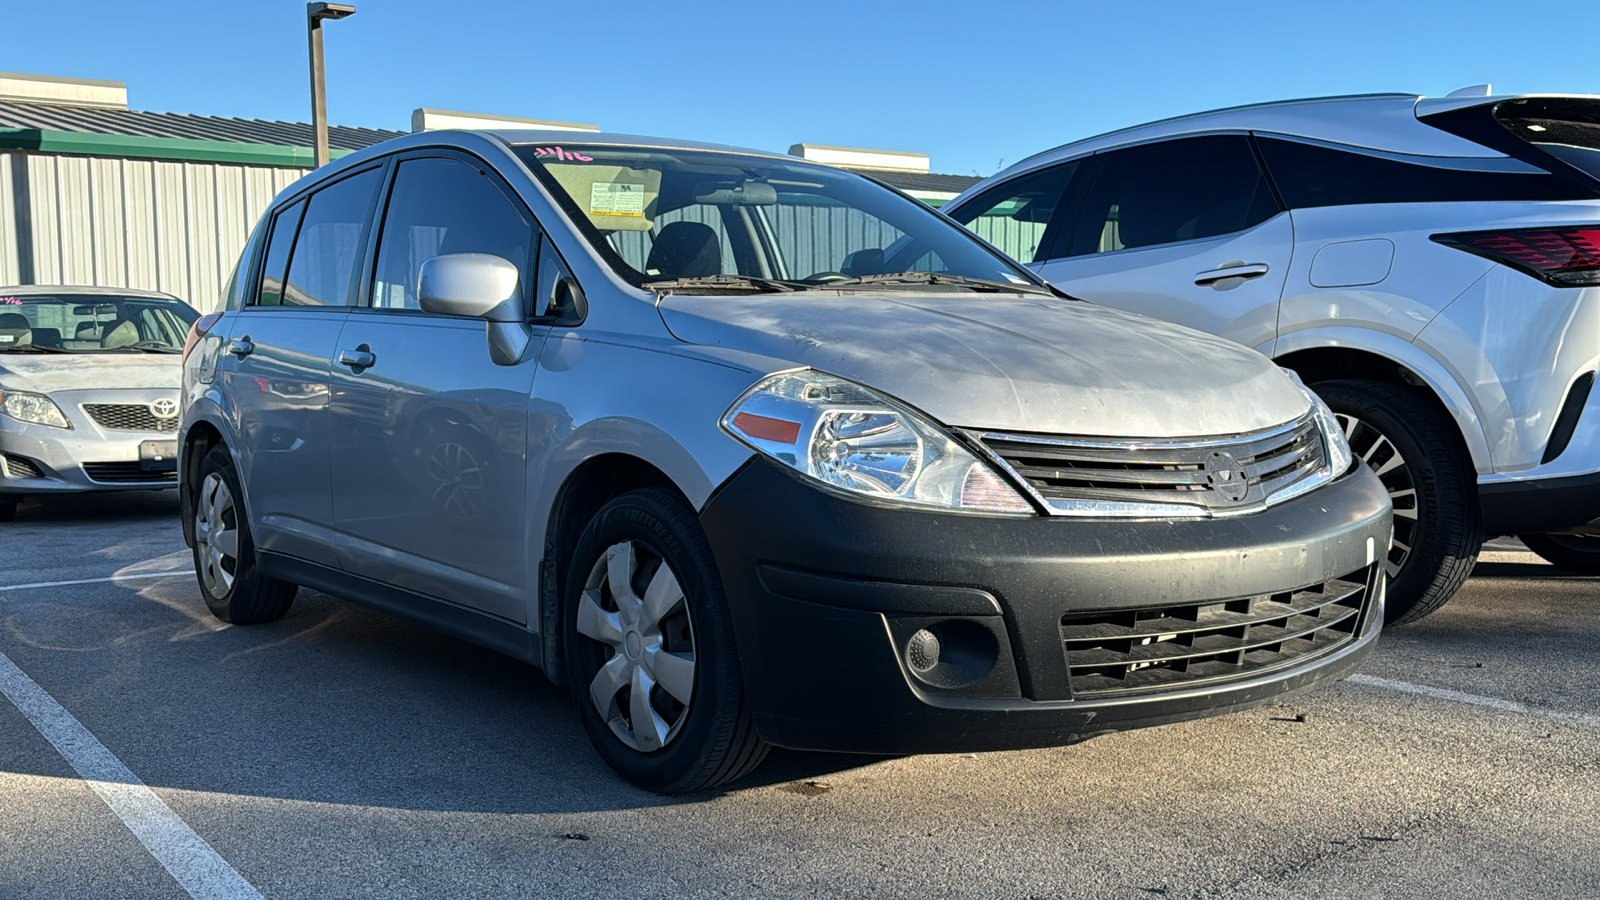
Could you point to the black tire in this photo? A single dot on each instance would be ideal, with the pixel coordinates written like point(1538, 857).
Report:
point(712, 740)
point(233, 588)
point(1441, 517)
point(1573, 552)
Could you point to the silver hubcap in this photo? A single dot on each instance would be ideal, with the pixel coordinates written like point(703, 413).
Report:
point(1383, 457)
point(633, 606)
point(216, 535)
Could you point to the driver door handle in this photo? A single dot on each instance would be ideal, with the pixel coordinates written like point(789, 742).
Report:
point(1231, 270)
point(359, 358)
point(241, 347)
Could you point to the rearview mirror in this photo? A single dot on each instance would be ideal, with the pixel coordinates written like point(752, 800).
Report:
point(736, 193)
point(471, 284)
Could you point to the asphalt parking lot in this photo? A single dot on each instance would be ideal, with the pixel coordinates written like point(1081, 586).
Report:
point(343, 753)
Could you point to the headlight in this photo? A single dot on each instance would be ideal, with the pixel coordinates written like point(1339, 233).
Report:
point(1338, 446)
point(35, 408)
point(856, 440)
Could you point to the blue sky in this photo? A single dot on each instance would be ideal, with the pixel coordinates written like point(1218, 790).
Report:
point(968, 83)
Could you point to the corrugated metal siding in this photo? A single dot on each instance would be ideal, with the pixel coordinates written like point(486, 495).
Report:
point(1018, 239)
point(170, 226)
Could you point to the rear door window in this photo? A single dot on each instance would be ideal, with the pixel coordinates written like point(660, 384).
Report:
point(1173, 191)
point(284, 227)
point(441, 206)
point(323, 264)
point(1018, 216)
point(1310, 175)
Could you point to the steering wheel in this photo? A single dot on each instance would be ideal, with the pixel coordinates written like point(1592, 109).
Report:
point(825, 277)
point(154, 345)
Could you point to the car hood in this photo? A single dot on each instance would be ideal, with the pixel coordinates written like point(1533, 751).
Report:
point(1016, 364)
point(48, 373)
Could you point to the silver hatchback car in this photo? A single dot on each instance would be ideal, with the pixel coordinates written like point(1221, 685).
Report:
point(88, 390)
point(750, 451)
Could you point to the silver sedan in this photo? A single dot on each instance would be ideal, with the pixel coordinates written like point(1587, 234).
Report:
point(88, 390)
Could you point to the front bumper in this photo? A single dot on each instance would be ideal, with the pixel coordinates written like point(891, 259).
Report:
point(825, 593)
point(40, 459)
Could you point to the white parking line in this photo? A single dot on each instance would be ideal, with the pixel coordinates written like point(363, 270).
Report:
point(41, 584)
point(1438, 693)
point(198, 868)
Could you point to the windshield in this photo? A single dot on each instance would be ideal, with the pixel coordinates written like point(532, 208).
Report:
point(92, 323)
point(724, 221)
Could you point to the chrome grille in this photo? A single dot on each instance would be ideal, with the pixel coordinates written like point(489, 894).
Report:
point(1174, 646)
point(129, 417)
point(127, 473)
point(1097, 476)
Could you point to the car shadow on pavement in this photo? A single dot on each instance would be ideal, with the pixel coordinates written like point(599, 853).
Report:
point(1541, 570)
point(334, 704)
point(114, 506)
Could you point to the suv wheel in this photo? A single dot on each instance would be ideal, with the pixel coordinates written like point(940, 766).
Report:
point(1577, 552)
point(1418, 456)
point(225, 555)
point(651, 656)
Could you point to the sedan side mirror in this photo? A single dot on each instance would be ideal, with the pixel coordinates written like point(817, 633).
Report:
point(471, 284)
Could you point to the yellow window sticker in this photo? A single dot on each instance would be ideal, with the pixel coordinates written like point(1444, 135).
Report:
point(617, 199)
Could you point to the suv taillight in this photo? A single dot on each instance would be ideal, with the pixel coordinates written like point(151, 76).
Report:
point(1568, 256)
point(198, 330)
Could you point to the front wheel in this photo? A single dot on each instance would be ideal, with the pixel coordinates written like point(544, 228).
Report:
point(1574, 552)
point(1418, 455)
point(225, 554)
point(651, 656)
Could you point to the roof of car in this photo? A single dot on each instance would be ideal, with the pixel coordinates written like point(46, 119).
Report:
point(1386, 122)
point(24, 290)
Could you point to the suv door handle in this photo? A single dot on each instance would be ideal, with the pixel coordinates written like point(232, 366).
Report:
point(241, 347)
point(360, 358)
point(1239, 269)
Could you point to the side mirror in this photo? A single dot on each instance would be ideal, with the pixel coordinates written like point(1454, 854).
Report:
point(569, 307)
point(471, 284)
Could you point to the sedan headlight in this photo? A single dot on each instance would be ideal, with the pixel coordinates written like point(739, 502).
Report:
point(854, 439)
point(34, 408)
point(1339, 453)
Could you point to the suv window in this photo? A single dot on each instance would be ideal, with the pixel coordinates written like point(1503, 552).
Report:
point(1173, 191)
point(1311, 175)
point(1015, 216)
point(284, 226)
point(441, 206)
point(323, 263)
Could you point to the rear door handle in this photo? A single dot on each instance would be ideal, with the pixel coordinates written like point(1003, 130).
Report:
point(1231, 270)
point(360, 358)
point(241, 347)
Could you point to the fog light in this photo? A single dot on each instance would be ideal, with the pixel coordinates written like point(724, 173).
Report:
point(922, 651)
point(951, 654)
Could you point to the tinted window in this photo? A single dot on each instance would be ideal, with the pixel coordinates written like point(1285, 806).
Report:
point(442, 206)
point(1311, 175)
point(325, 254)
point(1015, 216)
point(551, 271)
point(283, 232)
point(1173, 191)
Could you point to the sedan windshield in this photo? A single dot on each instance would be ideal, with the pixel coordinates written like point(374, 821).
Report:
point(721, 221)
point(92, 323)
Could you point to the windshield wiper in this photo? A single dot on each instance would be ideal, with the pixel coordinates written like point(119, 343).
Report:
point(749, 282)
point(34, 348)
point(977, 284)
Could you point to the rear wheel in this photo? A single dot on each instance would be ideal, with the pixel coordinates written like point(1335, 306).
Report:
point(1577, 552)
point(224, 553)
point(1418, 456)
point(651, 656)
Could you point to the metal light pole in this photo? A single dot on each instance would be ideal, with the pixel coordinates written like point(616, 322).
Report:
point(315, 13)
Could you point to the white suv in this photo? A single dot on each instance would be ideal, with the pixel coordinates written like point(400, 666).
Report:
point(1427, 265)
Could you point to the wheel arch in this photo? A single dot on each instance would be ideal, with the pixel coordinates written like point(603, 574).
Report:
point(1336, 356)
point(198, 441)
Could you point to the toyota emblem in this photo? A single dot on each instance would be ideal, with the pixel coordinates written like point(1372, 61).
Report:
point(1227, 478)
point(165, 408)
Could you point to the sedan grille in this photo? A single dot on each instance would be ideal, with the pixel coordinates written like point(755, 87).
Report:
point(1094, 476)
point(130, 417)
point(22, 467)
point(1175, 646)
point(127, 473)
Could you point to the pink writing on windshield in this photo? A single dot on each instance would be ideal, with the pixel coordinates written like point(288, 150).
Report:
point(559, 153)
point(11, 301)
